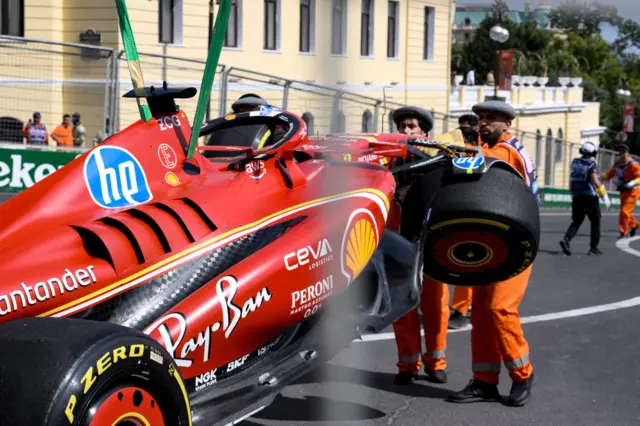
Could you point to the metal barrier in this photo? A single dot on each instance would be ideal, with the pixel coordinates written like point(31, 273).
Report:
point(54, 79)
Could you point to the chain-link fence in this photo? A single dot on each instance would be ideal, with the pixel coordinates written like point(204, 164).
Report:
point(52, 79)
point(59, 78)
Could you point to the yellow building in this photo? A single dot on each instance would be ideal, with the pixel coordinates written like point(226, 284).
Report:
point(299, 54)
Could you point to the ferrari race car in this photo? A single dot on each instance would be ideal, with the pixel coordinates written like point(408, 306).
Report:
point(143, 287)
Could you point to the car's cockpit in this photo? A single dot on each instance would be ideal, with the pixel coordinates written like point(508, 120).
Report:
point(266, 128)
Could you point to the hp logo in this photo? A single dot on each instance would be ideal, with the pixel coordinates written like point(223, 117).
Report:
point(468, 163)
point(115, 178)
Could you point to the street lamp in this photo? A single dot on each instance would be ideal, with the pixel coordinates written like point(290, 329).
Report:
point(499, 34)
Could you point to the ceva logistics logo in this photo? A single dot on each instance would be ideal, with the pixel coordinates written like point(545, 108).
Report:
point(115, 178)
point(468, 163)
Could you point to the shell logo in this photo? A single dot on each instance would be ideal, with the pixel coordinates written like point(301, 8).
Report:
point(172, 179)
point(359, 242)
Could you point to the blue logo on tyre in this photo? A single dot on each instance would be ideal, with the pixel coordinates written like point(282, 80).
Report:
point(268, 109)
point(115, 178)
point(468, 163)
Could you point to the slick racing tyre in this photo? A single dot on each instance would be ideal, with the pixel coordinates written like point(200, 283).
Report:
point(85, 373)
point(480, 229)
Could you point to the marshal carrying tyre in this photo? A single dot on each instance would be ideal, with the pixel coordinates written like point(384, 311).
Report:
point(86, 373)
point(481, 229)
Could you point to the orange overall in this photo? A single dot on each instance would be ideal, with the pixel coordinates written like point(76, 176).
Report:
point(461, 299)
point(496, 334)
point(434, 304)
point(628, 197)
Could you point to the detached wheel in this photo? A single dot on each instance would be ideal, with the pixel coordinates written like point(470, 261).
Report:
point(86, 373)
point(481, 229)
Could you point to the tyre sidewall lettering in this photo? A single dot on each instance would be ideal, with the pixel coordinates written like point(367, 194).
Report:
point(144, 364)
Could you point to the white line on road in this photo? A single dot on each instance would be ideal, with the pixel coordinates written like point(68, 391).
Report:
point(622, 244)
point(569, 214)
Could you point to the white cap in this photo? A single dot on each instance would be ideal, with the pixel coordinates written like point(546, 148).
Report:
point(588, 147)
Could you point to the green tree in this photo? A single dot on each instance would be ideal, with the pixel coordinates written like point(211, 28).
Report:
point(583, 19)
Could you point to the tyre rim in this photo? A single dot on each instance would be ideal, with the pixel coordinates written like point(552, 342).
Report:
point(128, 406)
point(470, 254)
point(468, 251)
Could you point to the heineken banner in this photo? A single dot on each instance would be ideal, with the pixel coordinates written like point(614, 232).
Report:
point(22, 168)
point(561, 199)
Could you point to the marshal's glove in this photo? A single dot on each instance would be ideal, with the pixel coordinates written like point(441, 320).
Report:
point(631, 184)
point(602, 192)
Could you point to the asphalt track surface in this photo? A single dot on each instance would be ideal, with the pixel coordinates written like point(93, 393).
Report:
point(585, 351)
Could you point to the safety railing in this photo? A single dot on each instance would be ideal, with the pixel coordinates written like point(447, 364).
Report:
point(53, 79)
point(57, 78)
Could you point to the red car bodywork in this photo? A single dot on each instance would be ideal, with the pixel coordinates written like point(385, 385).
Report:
point(63, 252)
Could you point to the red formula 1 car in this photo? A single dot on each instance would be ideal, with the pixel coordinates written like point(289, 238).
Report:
point(139, 287)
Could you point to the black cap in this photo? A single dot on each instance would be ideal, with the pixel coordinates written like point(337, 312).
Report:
point(248, 100)
point(424, 117)
point(496, 106)
point(36, 115)
point(472, 119)
point(623, 149)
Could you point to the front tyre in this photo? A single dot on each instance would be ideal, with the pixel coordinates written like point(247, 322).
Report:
point(86, 373)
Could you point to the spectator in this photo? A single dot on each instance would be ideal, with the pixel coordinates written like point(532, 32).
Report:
point(63, 133)
point(102, 134)
point(79, 131)
point(35, 131)
point(471, 78)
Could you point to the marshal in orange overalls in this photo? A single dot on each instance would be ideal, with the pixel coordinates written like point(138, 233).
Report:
point(627, 171)
point(496, 333)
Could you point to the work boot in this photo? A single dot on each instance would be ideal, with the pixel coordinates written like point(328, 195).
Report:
point(621, 236)
point(632, 233)
point(521, 392)
point(457, 320)
point(475, 391)
point(595, 251)
point(566, 247)
point(438, 376)
point(404, 378)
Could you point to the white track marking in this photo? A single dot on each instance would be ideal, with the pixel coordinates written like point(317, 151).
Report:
point(622, 244)
point(568, 214)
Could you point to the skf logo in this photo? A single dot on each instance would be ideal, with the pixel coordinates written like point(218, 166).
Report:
point(359, 242)
point(236, 364)
point(115, 178)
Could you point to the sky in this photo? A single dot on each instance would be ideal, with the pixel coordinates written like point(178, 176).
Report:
point(626, 9)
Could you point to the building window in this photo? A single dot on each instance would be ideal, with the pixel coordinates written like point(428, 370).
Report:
point(271, 24)
point(307, 117)
point(429, 24)
point(233, 37)
point(366, 28)
point(307, 25)
point(170, 22)
point(367, 122)
point(12, 18)
point(392, 30)
point(548, 163)
point(339, 27)
point(559, 146)
point(538, 147)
